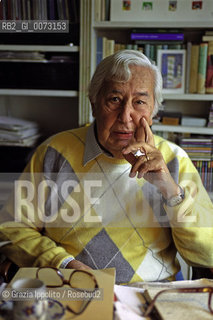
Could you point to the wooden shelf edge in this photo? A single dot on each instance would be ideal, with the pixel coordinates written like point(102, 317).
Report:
point(189, 97)
point(170, 128)
point(40, 92)
point(50, 48)
point(150, 24)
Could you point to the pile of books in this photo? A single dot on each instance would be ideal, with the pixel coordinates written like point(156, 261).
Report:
point(198, 148)
point(18, 132)
point(205, 169)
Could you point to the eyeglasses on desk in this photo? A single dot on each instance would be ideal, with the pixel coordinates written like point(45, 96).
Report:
point(79, 280)
point(206, 289)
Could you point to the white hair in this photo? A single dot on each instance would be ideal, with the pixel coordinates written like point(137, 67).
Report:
point(116, 67)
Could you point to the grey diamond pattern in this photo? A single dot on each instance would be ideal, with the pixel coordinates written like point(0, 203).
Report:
point(102, 250)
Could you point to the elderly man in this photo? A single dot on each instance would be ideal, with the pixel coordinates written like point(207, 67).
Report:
point(112, 194)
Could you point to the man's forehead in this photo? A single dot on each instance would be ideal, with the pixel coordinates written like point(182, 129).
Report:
point(143, 93)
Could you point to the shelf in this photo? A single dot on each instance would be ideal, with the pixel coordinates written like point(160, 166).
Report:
point(150, 24)
point(195, 130)
point(40, 93)
point(189, 97)
point(68, 48)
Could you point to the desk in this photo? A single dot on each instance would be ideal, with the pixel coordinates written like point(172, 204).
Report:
point(171, 306)
point(97, 309)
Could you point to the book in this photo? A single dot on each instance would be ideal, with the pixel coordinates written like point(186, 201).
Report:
point(60, 10)
point(107, 47)
point(97, 10)
point(67, 15)
point(209, 33)
point(170, 121)
point(4, 9)
point(192, 121)
point(209, 71)
point(24, 10)
point(51, 9)
point(172, 305)
point(107, 10)
point(157, 36)
point(44, 9)
point(103, 10)
point(170, 118)
point(9, 10)
point(188, 61)
point(64, 10)
point(110, 46)
point(99, 50)
point(194, 68)
point(75, 10)
point(202, 63)
point(1, 10)
point(207, 38)
point(104, 47)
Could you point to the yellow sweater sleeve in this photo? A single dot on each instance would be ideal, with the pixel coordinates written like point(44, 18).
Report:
point(21, 225)
point(192, 220)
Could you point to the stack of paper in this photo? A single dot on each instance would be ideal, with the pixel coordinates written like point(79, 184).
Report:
point(33, 56)
point(18, 132)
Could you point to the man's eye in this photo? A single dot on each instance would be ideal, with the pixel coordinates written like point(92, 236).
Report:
point(140, 102)
point(115, 99)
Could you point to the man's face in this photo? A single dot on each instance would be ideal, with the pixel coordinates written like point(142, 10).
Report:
point(119, 108)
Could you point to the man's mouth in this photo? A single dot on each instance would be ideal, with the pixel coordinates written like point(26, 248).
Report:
point(126, 135)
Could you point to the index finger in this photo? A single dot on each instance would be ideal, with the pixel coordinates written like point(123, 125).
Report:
point(149, 138)
point(140, 134)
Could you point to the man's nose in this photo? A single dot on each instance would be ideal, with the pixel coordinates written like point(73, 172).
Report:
point(126, 112)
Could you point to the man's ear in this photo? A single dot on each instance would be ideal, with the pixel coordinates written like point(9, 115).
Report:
point(93, 110)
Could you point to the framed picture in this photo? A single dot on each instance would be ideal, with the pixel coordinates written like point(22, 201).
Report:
point(172, 66)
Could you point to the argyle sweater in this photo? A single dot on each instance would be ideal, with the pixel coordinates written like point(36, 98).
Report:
point(98, 215)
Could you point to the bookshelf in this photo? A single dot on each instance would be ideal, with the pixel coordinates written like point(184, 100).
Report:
point(14, 101)
point(41, 92)
point(53, 105)
point(188, 104)
point(54, 108)
point(119, 31)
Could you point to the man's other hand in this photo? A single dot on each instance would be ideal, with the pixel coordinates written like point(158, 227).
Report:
point(75, 264)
